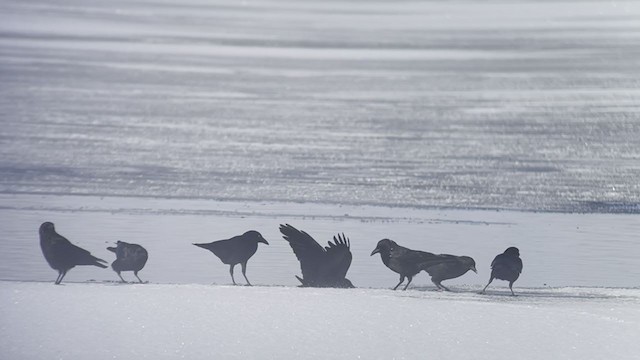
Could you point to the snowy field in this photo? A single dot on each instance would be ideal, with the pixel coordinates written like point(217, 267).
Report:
point(180, 314)
point(459, 127)
point(110, 321)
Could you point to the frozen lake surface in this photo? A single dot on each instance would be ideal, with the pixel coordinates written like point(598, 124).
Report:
point(522, 105)
point(459, 127)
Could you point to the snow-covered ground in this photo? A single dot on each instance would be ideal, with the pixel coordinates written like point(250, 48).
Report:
point(150, 321)
point(459, 127)
point(557, 249)
point(180, 314)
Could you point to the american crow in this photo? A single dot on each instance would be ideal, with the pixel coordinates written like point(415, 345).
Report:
point(129, 257)
point(402, 260)
point(447, 267)
point(506, 266)
point(408, 263)
point(321, 267)
point(237, 250)
point(61, 254)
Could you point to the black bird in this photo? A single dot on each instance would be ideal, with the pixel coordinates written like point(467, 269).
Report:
point(129, 257)
point(237, 250)
point(506, 266)
point(449, 267)
point(61, 254)
point(402, 260)
point(321, 267)
point(408, 263)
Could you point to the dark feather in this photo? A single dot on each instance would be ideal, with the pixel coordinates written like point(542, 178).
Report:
point(61, 254)
point(321, 267)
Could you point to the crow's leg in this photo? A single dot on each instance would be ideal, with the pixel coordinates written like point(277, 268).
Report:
point(511, 288)
point(136, 274)
point(61, 277)
point(409, 282)
point(485, 288)
point(231, 272)
point(121, 278)
point(58, 278)
point(438, 286)
point(401, 281)
point(244, 272)
point(443, 287)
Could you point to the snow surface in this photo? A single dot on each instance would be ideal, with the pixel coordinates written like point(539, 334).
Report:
point(557, 249)
point(525, 105)
point(170, 122)
point(150, 321)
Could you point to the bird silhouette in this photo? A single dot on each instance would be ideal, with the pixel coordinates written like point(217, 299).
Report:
point(506, 266)
point(61, 254)
point(129, 257)
point(237, 250)
point(321, 266)
point(447, 267)
point(408, 263)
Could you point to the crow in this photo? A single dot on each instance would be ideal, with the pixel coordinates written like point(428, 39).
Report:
point(129, 257)
point(61, 254)
point(447, 267)
point(408, 263)
point(506, 266)
point(321, 267)
point(237, 250)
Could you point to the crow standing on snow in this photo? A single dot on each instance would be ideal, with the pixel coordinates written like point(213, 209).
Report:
point(321, 266)
point(61, 254)
point(506, 266)
point(449, 267)
point(129, 257)
point(402, 260)
point(408, 263)
point(237, 250)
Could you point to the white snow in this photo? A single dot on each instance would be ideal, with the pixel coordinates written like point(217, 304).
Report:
point(165, 122)
point(179, 314)
point(557, 249)
point(151, 321)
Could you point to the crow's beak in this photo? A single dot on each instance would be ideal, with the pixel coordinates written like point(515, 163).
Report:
point(375, 251)
point(473, 268)
point(263, 241)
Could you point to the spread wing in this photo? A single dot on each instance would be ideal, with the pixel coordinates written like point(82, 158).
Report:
point(338, 257)
point(310, 254)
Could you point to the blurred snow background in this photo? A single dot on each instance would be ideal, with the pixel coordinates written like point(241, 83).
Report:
point(170, 122)
point(495, 104)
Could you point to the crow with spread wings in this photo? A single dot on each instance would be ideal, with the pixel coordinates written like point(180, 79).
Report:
point(321, 266)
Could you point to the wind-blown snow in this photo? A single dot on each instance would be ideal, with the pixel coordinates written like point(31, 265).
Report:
point(110, 321)
point(469, 104)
